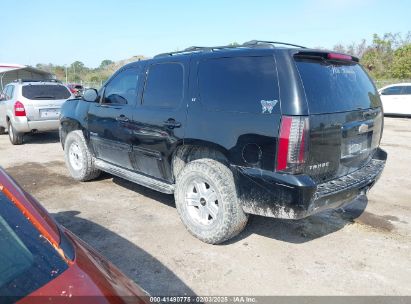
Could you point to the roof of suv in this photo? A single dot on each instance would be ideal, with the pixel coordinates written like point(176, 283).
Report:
point(247, 45)
point(245, 48)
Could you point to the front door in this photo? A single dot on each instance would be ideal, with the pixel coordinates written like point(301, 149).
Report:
point(109, 121)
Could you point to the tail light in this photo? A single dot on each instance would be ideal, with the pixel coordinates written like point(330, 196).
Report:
point(19, 109)
point(292, 144)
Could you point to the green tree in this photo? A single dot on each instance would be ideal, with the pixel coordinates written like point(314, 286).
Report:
point(401, 65)
point(78, 66)
point(105, 63)
point(379, 56)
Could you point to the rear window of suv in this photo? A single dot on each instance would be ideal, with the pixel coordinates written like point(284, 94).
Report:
point(238, 84)
point(332, 86)
point(45, 91)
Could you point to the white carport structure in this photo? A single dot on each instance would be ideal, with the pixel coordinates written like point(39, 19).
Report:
point(11, 72)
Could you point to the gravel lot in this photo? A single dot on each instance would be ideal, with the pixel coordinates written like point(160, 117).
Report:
point(351, 252)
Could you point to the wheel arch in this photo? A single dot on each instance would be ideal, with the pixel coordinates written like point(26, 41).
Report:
point(68, 125)
point(192, 149)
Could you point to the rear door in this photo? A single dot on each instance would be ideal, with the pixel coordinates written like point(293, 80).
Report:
point(43, 101)
point(407, 100)
point(159, 120)
point(393, 99)
point(109, 122)
point(345, 115)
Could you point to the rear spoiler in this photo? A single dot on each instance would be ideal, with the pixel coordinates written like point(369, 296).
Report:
point(325, 56)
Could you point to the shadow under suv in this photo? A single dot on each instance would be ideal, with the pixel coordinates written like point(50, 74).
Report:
point(283, 132)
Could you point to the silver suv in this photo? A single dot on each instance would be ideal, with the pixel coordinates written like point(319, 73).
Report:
point(30, 106)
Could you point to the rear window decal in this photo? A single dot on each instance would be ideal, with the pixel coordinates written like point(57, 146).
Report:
point(268, 105)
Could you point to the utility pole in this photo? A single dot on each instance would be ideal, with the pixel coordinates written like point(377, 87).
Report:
point(65, 66)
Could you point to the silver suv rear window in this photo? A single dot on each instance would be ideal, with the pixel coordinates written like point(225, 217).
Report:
point(45, 91)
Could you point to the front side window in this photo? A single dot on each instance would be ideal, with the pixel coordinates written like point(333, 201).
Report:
point(239, 84)
point(164, 85)
point(122, 89)
point(393, 90)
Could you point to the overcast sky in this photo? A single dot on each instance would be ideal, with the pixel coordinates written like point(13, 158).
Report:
point(61, 32)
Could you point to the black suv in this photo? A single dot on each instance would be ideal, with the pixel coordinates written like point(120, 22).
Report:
point(277, 131)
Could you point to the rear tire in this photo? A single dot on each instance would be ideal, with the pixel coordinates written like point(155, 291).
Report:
point(2, 130)
point(15, 137)
point(207, 202)
point(79, 160)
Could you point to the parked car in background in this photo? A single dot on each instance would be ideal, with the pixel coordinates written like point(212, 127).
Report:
point(31, 106)
point(396, 99)
point(283, 132)
point(41, 261)
point(76, 89)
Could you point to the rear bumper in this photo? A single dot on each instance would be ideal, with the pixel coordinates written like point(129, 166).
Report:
point(23, 125)
point(298, 196)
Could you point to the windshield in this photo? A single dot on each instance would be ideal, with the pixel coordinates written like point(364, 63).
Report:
point(332, 86)
point(45, 91)
point(27, 260)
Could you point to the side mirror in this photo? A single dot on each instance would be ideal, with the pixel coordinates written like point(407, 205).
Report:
point(90, 95)
point(2, 97)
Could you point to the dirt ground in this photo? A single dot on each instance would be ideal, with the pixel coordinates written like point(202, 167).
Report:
point(354, 252)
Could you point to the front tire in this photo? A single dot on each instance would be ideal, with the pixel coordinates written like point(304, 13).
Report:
point(79, 160)
point(207, 201)
point(16, 138)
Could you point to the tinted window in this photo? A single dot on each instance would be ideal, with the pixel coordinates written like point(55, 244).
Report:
point(122, 89)
point(239, 84)
point(28, 261)
point(397, 90)
point(164, 85)
point(407, 90)
point(335, 87)
point(45, 91)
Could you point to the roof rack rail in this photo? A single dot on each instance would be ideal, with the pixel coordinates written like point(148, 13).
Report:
point(37, 80)
point(196, 49)
point(262, 42)
point(252, 43)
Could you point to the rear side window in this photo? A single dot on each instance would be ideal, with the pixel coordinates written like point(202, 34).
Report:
point(8, 92)
point(407, 90)
point(397, 90)
point(44, 91)
point(332, 86)
point(239, 84)
point(164, 85)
